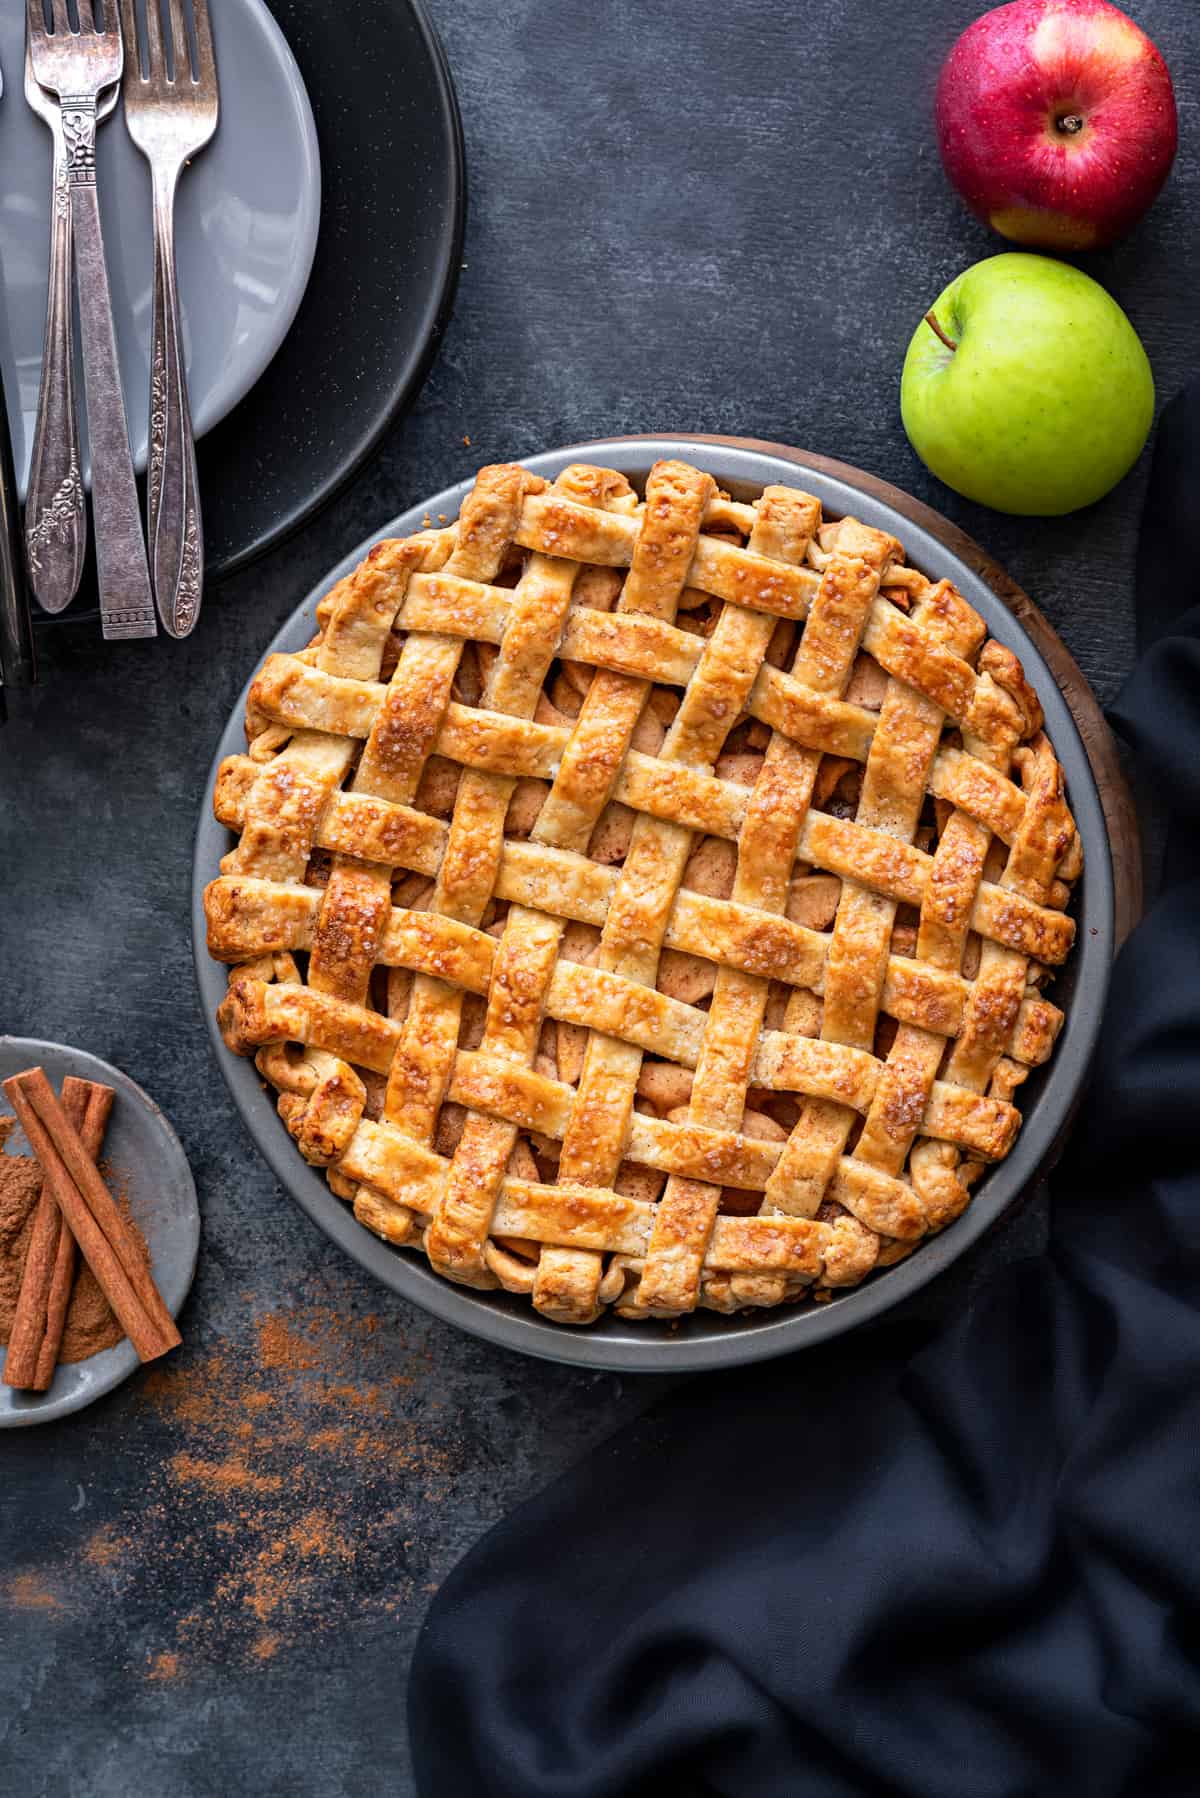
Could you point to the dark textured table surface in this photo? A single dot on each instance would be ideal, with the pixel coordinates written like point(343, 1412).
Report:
point(705, 218)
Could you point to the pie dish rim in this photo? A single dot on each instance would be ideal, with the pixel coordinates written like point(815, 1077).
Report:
point(705, 1340)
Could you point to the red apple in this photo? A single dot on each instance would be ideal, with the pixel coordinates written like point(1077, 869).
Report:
point(1056, 120)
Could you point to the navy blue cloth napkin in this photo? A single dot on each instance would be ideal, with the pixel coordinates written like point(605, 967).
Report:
point(944, 1563)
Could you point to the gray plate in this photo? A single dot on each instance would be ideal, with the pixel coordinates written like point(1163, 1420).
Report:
point(707, 1339)
point(146, 1156)
point(248, 214)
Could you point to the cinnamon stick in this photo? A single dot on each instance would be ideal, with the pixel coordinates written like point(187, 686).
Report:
point(49, 1270)
point(62, 1283)
point(95, 1222)
point(98, 1104)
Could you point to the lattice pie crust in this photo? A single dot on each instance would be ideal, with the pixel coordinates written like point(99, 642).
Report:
point(645, 903)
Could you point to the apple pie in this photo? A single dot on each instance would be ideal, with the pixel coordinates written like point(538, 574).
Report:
point(645, 900)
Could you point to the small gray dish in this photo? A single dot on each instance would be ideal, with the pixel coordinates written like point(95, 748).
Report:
point(149, 1162)
point(706, 1339)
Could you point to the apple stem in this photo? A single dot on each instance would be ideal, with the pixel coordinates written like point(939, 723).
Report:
point(1069, 123)
point(931, 321)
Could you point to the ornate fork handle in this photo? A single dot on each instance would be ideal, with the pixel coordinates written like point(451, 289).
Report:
point(173, 505)
point(55, 516)
point(126, 603)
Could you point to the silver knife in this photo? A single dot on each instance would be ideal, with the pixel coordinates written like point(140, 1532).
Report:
point(17, 665)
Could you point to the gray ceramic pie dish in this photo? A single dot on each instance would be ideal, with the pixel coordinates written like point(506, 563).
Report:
point(708, 1339)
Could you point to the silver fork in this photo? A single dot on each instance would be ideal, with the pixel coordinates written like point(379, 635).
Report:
point(171, 113)
point(55, 512)
point(76, 66)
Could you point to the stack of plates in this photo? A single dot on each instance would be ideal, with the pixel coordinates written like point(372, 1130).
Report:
point(319, 238)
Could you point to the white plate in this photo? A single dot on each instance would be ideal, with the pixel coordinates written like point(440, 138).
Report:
point(247, 221)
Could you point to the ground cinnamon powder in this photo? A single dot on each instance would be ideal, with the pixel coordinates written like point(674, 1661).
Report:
point(91, 1325)
point(27, 1592)
point(288, 1494)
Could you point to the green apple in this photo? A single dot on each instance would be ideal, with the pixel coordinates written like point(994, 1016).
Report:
point(1026, 387)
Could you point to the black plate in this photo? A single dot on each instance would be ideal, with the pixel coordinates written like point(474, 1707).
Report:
point(390, 247)
point(393, 199)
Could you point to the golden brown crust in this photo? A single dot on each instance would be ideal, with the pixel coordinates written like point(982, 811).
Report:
point(675, 879)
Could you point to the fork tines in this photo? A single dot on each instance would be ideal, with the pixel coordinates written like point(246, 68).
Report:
point(163, 55)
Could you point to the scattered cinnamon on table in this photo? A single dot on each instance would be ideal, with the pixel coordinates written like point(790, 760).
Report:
point(75, 1208)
